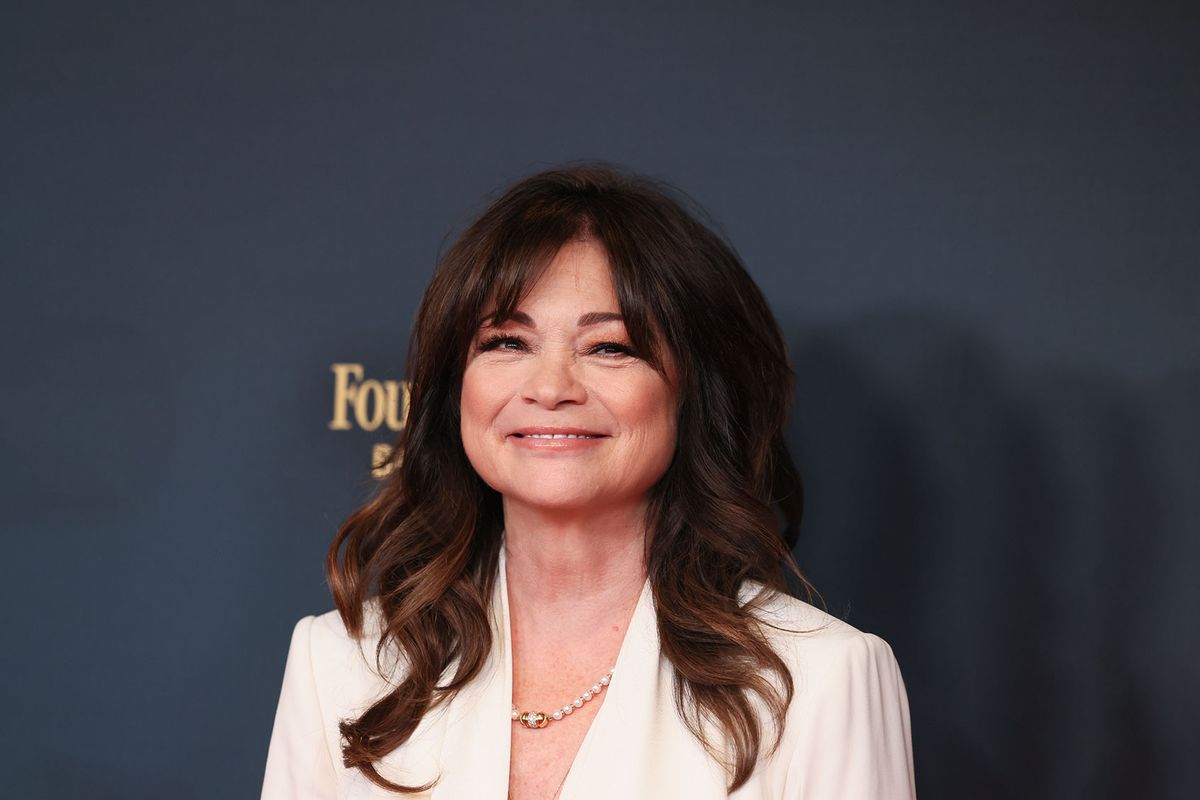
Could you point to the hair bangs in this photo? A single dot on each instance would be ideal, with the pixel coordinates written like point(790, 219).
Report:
point(529, 245)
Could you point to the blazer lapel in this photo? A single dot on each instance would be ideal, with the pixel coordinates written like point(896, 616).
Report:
point(475, 748)
point(637, 747)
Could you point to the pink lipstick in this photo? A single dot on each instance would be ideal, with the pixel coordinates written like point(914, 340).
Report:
point(555, 438)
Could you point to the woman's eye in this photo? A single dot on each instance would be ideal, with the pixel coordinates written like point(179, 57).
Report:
point(502, 343)
point(612, 349)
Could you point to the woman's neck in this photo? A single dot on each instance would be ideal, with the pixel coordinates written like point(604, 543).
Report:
point(584, 563)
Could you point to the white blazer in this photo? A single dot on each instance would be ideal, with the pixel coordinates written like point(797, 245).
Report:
point(846, 734)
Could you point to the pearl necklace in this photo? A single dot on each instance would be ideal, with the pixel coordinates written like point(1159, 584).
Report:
point(540, 719)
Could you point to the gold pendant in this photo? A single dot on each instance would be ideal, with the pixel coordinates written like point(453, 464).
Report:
point(534, 719)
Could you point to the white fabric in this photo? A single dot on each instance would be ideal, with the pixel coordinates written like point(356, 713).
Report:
point(846, 734)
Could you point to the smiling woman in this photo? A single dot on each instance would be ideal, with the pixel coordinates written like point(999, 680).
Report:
point(565, 367)
point(574, 583)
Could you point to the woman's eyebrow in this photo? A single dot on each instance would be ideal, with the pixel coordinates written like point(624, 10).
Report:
point(518, 317)
point(596, 317)
point(586, 320)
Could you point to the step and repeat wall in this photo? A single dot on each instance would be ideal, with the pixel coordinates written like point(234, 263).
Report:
point(976, 225)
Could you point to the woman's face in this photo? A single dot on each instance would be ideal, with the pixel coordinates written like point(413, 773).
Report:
point(565, 366)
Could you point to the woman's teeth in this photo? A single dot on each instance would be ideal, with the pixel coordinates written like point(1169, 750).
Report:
point(559, 435)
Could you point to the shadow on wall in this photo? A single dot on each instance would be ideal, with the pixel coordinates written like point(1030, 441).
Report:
point(1025, 538)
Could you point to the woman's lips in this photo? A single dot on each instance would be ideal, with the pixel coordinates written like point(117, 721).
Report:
point(540, 438)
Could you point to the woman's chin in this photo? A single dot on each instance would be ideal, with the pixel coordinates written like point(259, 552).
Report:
point(545, 499)
point(553, 502)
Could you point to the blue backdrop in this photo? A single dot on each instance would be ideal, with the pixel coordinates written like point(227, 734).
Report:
point(977, 226)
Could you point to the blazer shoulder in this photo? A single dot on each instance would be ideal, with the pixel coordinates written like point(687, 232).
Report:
point(847, 730)
point(328, 629)
point(808, 638)
point(357, 665)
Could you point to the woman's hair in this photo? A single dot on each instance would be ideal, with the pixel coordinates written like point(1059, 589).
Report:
point(426, 545)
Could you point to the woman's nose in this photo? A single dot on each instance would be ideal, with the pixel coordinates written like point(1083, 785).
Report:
point(552, 380)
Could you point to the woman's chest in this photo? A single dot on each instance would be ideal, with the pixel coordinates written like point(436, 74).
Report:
point(634, 746)
point(540, 759)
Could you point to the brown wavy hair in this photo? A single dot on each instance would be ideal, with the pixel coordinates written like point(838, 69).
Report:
point(727, 510)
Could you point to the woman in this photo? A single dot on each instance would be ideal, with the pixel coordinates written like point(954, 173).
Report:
point(572, 584)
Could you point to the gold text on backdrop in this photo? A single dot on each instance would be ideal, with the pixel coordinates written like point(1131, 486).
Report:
point(370, 404)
